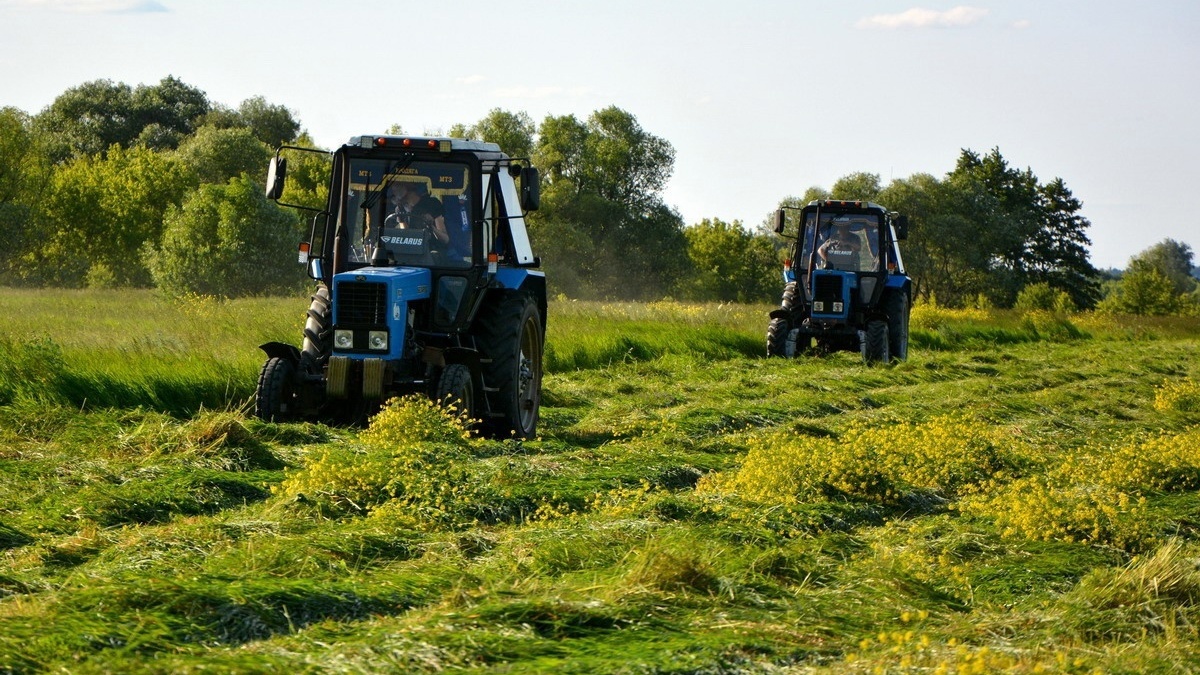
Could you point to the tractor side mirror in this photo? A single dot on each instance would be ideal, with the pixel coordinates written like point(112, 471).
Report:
point(901, 225)
point(276, 174)
point(780, 221)
point(531, 189)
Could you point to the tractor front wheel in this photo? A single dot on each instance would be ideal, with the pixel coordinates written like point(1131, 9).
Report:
point(456, 391)
point(875, 344)
point(275, 397)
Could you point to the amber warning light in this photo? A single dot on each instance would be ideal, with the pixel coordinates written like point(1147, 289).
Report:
point(303, 258)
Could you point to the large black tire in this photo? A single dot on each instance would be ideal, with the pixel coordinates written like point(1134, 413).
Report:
point(778, 329)
point(875, 345)
point(275, 397)
point(777, 332)
point(510, 337)
point(456, 390)
point(897, 311)
point(318, 329)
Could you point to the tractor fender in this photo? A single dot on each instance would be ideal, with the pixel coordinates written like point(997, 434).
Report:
point(467, 357)
point(523, 280)
point(282, 351)
point(780, 313)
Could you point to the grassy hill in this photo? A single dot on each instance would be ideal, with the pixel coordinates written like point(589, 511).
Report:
point(1021, 494)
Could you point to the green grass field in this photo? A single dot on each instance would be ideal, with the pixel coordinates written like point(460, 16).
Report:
point(1022, 495)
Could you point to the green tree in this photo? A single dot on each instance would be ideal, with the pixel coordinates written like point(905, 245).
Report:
point(513, 132)
point(168, 112)
point(90, 118)
point(729, 264)
point(24, 171)
point(216, 155)
point(1173, 259)
point(856, 186)
point(602, 212)
point(1057, 252)
point(1143, 290)
point(227, 240)
point(97, 214)
point(274, 125)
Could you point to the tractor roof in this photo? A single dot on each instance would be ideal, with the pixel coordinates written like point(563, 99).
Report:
point(443, 143)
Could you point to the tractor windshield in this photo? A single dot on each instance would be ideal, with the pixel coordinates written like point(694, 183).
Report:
point(841, 241)
point(414, 212)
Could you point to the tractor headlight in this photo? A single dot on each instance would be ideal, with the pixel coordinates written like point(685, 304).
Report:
point(343, 339)
point(378, 340)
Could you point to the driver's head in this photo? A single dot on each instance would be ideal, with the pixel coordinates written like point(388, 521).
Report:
point(396, 193)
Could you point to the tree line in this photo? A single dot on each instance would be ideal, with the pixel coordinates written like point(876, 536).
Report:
point(157, 186)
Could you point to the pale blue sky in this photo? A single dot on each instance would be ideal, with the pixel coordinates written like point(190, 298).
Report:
point(760, 99)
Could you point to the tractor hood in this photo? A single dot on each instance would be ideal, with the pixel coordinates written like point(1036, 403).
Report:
point(374, 301)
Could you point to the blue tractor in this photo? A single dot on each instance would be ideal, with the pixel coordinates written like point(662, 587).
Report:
point(426, 283)
point(845, 286)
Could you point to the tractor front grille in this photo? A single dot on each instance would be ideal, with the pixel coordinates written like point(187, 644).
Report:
point(828, 289)
point(361, 304)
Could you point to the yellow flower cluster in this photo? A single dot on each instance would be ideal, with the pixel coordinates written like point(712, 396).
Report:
point(910, 651)
point(1098, 496)
point(1048, 507)
point(881, 464)
point(414, 459)
point(1181, 396)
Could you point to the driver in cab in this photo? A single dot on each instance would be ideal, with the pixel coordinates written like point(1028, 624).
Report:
point(842, 248)
point(411, 208)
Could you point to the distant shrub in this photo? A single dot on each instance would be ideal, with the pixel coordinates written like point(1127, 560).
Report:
point(1041, 296)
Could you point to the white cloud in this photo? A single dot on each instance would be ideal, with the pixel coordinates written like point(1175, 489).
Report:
point(1022, 24)
point(469, 79)
point(918, 17)
point(90, 6)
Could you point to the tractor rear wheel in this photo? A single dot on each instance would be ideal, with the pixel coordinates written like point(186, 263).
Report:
point(456, 391)
point(318, 329)
point(897, 311)
point(778, 329)
point(777, 334)
point(510, 336)
point(875, 345)
point(275, 397)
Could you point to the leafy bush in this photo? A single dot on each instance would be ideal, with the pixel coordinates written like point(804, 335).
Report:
point(1041, 296)
point(227, 240)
